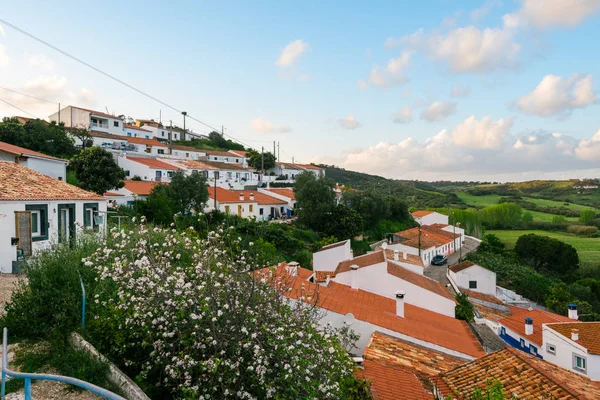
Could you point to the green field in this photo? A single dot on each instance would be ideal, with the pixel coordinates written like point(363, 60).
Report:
point(553, 203)
point(587, 248)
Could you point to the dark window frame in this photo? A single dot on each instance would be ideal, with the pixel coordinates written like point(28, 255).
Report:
point(86, 218)
point(43, 222)
point(471, 286)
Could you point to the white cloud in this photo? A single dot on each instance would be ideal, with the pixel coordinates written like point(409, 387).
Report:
point(4, 58)
point(484, 10)
point(547, 14)
point(589, 149)
point(403, 116)
point(557, 96)
point(2, 33)
point(349, 122)
point(392, 74)
point(438, 110)
point(41, 61)
point(466, 50)
point(292, 53)
point(261, 125)
point(460, 91)
point(484, 134)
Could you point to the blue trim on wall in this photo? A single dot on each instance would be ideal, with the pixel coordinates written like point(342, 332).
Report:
point(516, 343)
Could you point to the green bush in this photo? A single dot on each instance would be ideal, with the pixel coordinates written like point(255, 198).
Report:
point(582, 230)
point(464, 309)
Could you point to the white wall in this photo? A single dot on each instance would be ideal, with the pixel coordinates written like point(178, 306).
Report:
point(426, 254)
point(53, 168)
point(411, 267)
point(486, 280)
point(328, 260)
point(290, 203)
point(8, 253)
point(565, 348)
point(433, 218)
point(375, 279)
point(248, 210)
point(457, 230)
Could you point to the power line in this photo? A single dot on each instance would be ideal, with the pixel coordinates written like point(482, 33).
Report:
point(20, 109)
point(28, 95)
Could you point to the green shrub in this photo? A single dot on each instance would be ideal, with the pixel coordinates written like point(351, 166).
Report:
point(582, 230)
point(464, 309)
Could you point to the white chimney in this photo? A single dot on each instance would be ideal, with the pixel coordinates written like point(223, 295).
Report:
point(327, 279)
point(242, 196)
point(252, 196)
point(573, 311)
point(400, 303)
point(574, 334)
point(528, 326)
point(354, 276)
point(396, 255)
point(292, 268)
point(404, 255)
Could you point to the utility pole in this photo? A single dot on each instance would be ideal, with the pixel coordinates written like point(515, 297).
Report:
point(160, 117)
point(292, 160)
point(278, 159)
point(419, 240)
point(215, 194)
point(171, 137)
point(58, 113)
point(184, 113)
point(274, 148)
point(222, 131)
point(262, 162)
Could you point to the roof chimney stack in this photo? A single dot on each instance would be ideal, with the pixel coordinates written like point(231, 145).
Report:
point(400, 303)
point(292, 268)
point(574, 334)
point(396, 255)
point(354, 276)
point(573, 311)
point(404, 255)
point(327, 279)
point(251, 196)
point(241, 196)
point(528, 326)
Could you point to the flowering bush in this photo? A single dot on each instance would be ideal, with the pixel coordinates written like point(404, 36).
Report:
point(186, 313)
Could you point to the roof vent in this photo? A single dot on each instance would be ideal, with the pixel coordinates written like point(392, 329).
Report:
point(528, 326)
point(242, 196)
point(573, 311)
point(400, 303)
point(574, 334)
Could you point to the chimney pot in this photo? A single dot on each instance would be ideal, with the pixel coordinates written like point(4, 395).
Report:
point(574, 334)
point(396, 255)
point(327, 279)
point(242, 196)
point(573, 311)
point(400, 303)
point(404, 255)
point(251, 196)
point(528, 326)
point(354, 276)
point(292, 268)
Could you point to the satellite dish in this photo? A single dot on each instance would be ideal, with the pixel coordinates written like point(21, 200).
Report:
point(349, 319)
point(384, 245)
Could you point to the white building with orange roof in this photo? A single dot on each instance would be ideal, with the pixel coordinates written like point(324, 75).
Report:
point(468, 275)
point(47, 165)
point(37, 211)
point(424, 217)
point(285, 194)
point(77, 117)
point(147, 168)
point(132, 191)
point(245, 203)
point(426, 241)
point(136, 131)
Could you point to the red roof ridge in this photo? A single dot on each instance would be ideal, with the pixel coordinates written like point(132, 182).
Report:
point(418, 280)
point(18, 150)
point(135, 127)
point(463, 265)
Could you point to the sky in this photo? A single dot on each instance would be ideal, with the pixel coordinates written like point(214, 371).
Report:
point(431, 90)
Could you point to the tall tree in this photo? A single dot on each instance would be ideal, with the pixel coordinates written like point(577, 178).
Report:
point(188, 192)
point(586, 216)
point(97, 171)
point(548, 254)
point(83, 135)
point(38, 135)
point(315, 200)
point(255, 159)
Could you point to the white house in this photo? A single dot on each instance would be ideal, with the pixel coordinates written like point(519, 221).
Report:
point(47, 165)
point(187, 152)
point(471, 276)
point(426, 241)
point(148, 169)
point(136, 131)
point(224, 157)
point(245, 203)
point(403, 259)
point(429, 217)
point(156, 129)
point(291, 170)
point(132, 191)
point(327, 258)
point(574, 346)
point(37, 211)
point(227, 175)
point(76, 117)
point(285, 194)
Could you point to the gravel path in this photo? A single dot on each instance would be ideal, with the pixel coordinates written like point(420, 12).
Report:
point(7, 284)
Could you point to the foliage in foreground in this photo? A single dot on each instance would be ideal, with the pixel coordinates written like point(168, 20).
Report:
point(97, 171)
point(493, 391)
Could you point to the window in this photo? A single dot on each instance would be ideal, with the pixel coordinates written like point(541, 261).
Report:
point(147, 136)
point(226, 159)
point(187, 155)
point(261, 211)
point(116, 124)
point(161, 151)
point(250, 207)
point(226, 209)
point(129, 134)
point(472, 284)
point(503, 331)
point(90, 210)
point(579, 363)
point(175, 135)
point(162, 134)
point(522, 343)
point(237, 160)
point(127, 172)
point(533, 350)
point(39, 221)
point(551, 349)
point(169, 173)
point(216, 158)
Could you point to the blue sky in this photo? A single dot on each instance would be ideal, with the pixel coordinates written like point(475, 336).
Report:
point(334, 93)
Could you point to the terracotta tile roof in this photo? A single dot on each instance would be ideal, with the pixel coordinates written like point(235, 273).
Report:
point(410, 258)
point(418, 323)
point(113, 194)
point(238, 153)
point(187, 148)
point(388, 382)
point(137, 128)
point(222, 166)
point(18, 151)
point(524, 376)
point(482, 296)
point(141, 188)
point(589, 334)
point(154, 163)
point(147, 142)
point(18, 183)
point(233, 196)
point(412, 357)
point(365, 260)
point(516, 323)
point(430, 237)
point(98, 113)
point(287, 192)
point(219, 153)
point(332, 246)
point(461, 266)
point(421, 213)
point(418, 280)
point(105, 135)
point(310, 166)
point(196, 164)
point(297, 166)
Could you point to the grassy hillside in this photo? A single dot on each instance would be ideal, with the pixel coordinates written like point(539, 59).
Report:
point(587, 248)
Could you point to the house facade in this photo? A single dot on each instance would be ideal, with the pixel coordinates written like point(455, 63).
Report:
point(77, 117)
point(285, 194)
point(424, 217)
point(51, 166)
point(468, 275)
point(136, 131)
point(148, 169)
point(130, 192)
point(37, 211)
point(426, 241)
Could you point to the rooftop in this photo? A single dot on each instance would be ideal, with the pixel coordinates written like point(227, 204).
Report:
point(233, 196)
point(147, 142)
point(516, 323)
point(421, 213)
point(418, 323)
point(333, 245)
point(344, 266)
point(22, 151)
point(187, 148)
point(18, 183)
point(461, 266)
point(524, 376)
point(141, 188)
point(238, 153)
point(154, 163)
point(589, 334)
point(137, 128)
point(410, 258)
point(98, 113)
point(220, 153)
point(387, 381)
point(418, 280)
point(429, 237)
point(287, 192)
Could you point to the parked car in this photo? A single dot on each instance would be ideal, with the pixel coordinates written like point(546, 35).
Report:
point(439, 260)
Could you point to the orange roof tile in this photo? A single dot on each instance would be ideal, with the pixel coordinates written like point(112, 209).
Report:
point(392, 383)
point(589, 334)
point(332, 245)
point(461, 266)
point(187, 148)
point(154, 163)
point(410, 258)
point(421, 213)
point(113, 194)
point(142, 188)
point(137, 128)
point(233, 196)
point(147, 142)
point(365, 260)
point(238, 153)
point(417, 323)
point(418, 280)
point(22, 151)
point(18, 183)
point(287, 192)
point(524, 376)
point(482, 296)
point(430, 237)
point(516, 323)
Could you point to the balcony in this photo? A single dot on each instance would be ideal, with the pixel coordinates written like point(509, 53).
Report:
point(98, 125)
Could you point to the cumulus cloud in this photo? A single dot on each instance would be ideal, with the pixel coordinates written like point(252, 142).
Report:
point(403, 116)
point(465, 50)
point(292, 53)
point(438, 111)
point(558, 96)
point(41, 61)
point(484, 10)
point(261, 125)
point(349, 122)
point(589, 149)
point(544, 14)
point(394, 73)
point(4, 58)
point(460, 91)
point(484, 134)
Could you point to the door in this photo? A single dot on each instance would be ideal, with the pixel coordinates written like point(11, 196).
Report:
point(66, 223)
point(158, 176)
point(23, 231)
point(239, 210)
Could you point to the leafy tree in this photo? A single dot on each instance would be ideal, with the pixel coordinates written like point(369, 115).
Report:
point(255, 160)
point(11, 131)
point(559, 219)
point(344, 222)
point(586, 216)
point(217, 139)
point(549, 254)
point(189, 193)
point(97, 171)
point(491, 243)
point(83, 135)
point(315, 200)
point(397, 208)
point(158, 206)
point(502, 216)
point(527, 217)
point(464, 309)
point(38, 135)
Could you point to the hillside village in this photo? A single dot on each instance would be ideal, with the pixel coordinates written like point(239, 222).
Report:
point(411, 342)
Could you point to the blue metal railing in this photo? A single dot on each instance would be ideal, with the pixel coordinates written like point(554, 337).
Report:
point(46, 377)
point(82, 301)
